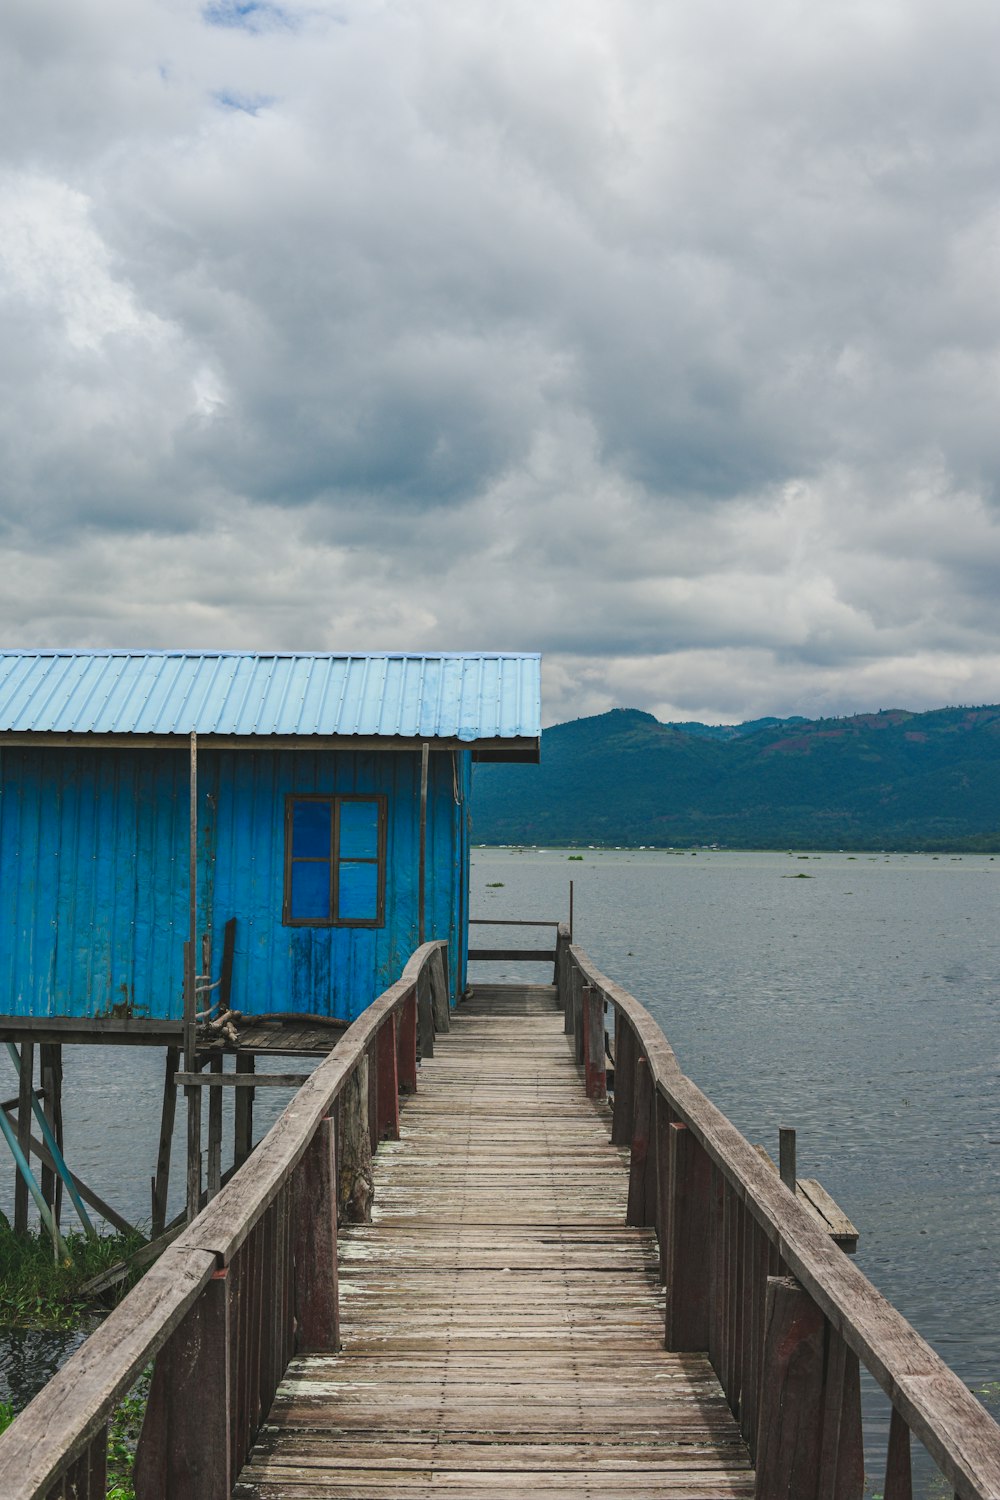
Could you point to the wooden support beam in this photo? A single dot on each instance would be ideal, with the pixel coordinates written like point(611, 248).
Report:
point(387, 1082)
point(438, 967)
point(216, 1080)
point(641, 1208)
point(687, 1233)
point(354, 1165)
point(809, 1427)
point(168, 1108)
point(624, 1105)
point(243, 1110)
point(898, 1463)
point(425, 1014)
point(317, 1304)
point(50, 1075)
point(406, 1050)
point(594, 1058)
point(185, 1445)
point(214, 1172)
point(26, 1082)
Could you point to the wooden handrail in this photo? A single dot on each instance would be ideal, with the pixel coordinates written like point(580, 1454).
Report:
point(61, 1435)
point(935, 1405)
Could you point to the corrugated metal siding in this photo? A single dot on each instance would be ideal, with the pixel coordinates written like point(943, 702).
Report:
point(468, 697)
point(94, 894)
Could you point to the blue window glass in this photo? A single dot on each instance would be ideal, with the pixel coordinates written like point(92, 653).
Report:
point(312, 822)
point(335, 861)
point(357, 892)
point(310, 892)
point(358, 830)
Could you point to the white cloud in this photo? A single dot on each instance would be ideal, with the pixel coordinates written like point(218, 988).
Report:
point(663, 339)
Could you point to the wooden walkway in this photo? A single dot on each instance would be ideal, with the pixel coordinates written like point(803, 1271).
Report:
point(502, 1328)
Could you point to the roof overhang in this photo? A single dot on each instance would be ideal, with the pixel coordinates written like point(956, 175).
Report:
point(523, 748)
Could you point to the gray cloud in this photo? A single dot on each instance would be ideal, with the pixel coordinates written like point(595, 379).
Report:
point(663, 339)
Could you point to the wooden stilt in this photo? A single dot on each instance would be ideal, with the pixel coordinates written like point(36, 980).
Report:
point(243, 1116)
point(26, 1084)
point(50, 1074)
point(161, 1182)
point(215, 1132)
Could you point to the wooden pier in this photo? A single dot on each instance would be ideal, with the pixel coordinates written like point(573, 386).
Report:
point(502, 1326)
point(468, 1276)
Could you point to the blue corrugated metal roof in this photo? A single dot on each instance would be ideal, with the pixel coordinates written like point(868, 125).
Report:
point(440, 695)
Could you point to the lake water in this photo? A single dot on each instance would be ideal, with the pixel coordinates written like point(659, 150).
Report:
point(860, 1005)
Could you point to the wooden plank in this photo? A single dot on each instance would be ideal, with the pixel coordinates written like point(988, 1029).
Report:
point(476, 1354)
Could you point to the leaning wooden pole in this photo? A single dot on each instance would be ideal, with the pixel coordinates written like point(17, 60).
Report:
point(192, 1093)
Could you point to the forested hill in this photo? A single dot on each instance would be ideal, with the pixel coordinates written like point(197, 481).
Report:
point(887, 780)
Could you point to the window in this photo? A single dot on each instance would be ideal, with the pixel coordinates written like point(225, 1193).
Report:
point(334, 861)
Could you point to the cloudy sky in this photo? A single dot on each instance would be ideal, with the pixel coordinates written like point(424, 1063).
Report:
point(661, 336)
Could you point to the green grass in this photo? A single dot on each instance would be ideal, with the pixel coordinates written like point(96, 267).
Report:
point(36, 1291)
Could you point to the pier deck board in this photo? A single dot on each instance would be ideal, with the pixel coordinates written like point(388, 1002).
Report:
point(502, 1327)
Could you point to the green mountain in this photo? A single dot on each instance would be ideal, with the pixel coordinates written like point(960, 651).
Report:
point(892, 779)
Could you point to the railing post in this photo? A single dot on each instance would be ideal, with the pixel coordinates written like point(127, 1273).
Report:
point(661, 1126)
point(624, 1108)
point(387, 1082)
point(576, 991)
point(593, 1031)
point(184, 1447)
point(809, 1429)
point(317, 1304)
point(438, 966)
point(641, 1208)
point(688, 1241)
point(569, 989)
point(898, 1466)
point(425, 1013)
point(355, 1188)
point(406, 1048)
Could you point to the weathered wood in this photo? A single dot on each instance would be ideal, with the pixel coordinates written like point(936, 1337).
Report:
point(595, 1066)
point(406, 1046)
point(161, 1179)
point(624, 1107)
point(57, 1426)
point(26, 1083)
point(243, 1110)
point(185, 1445)
point(790, 1431)
point(317, 1302)
point(216, 1080)
point(842, 1456)
point(786, 1156)
point(50, 1076)
point(955, 1429)
point(688, 1227)
point(576, 1000)
point(214, 1165)
point(898, 1465)
point(513, 955)
point(425, 1015)
point(640, 1211)
point(438, 971)
point(355, 1188)
point(387, 1082)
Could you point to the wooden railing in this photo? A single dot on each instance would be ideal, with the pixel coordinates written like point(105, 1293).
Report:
point(504, 955)
point(252, 1280)
point(750, 1277)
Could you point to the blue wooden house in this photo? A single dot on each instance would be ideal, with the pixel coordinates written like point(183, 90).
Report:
point(320, 800)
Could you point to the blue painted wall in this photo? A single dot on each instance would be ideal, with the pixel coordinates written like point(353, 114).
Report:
point(94, 882)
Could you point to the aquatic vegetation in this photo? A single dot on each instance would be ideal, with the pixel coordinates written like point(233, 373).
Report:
point(39, 1292)
point(123, 1434)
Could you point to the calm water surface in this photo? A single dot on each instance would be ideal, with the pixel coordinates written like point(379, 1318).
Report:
point(859, 1005)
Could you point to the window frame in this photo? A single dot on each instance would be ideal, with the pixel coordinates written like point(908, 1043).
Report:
point(334, 801)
